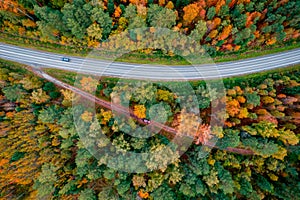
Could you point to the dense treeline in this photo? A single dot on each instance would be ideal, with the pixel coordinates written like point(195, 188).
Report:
point(43, 157)
point(219, 25)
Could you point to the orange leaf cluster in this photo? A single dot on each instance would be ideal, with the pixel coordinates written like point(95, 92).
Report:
point(203, 134)
point(211, 25)
point(281, 96)
point(219, 5)
point(251, 17)
point(213, 34)
point(143, 195)
point(170, 5)
point(232, 3)
point(231, 92)
point(237, 47)
point(256, 33)
point(241, 99)
point(9, 5)
point(161, 2)
point(211, 3)
point(271, 41)
point(225, 33)
point(262, 111)
point(243, 1)
point(82, 182)
point(228, 47)
point(139, 111)
point(118, 12)
point(3, 162)
point(193, 11)
point(138, 2)
point(10, 115)
point(88, 84)
point(232, 107)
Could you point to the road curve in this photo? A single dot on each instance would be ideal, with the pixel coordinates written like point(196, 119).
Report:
point(151, 72)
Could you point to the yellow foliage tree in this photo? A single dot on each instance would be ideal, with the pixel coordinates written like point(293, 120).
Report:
point(170, 5)
point(280, 154)
point(39, 96)
point(213, 34)
point(68, 97)
point(106, 116)
point(231, 92)
point(28, 23)
point(31, 83)
point(164, 95)
point(87, 116)
point(267, 99)
point(187, 123)
point(243, 113)
point(288, 137)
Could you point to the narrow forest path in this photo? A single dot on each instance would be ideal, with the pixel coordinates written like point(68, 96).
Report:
point(122, 110)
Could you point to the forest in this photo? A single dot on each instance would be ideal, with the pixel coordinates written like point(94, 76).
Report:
point(252, 153)
point(218, 25)
point(44, 156)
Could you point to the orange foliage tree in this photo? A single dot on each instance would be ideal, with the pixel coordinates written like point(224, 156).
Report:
point(211, 3)
point(219, 4)
point(88, 84)
point(203, 134)
point(251, 17)
point(232, 107)
point(139, 111)
point(211, 25)
point(194, 11)
point(118, 12)
point(138, 2)
point(9, 5)
point(225, 32)
point(232, 3)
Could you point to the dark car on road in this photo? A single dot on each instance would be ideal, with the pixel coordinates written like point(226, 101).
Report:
point(65, 59)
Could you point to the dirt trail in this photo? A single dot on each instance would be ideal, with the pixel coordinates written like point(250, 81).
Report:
point(124, 111)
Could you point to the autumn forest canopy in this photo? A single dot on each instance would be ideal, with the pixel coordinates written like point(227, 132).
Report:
point(56, 143)
point(218, 25)
point(47, 153)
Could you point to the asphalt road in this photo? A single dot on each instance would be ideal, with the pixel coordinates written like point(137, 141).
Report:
point(153, 72)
